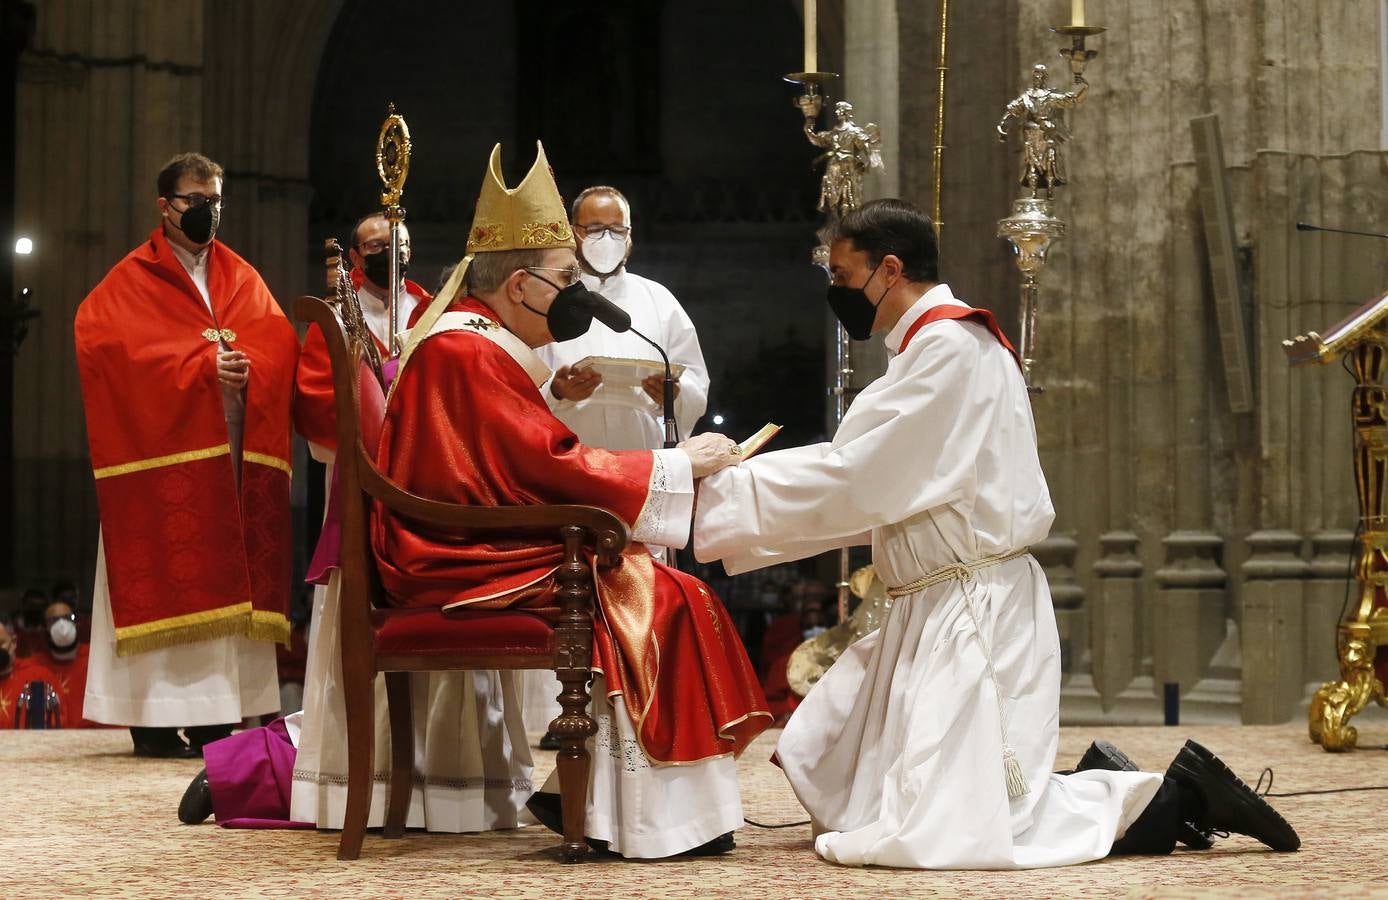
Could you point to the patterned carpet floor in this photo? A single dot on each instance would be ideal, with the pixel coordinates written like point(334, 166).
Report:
point(83, 818)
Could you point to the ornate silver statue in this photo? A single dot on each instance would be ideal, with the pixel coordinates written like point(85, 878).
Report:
point(850, 151)
point(1039, 110)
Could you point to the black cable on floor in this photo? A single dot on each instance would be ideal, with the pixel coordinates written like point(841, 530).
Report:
point(1267, 773)
point(782, 825)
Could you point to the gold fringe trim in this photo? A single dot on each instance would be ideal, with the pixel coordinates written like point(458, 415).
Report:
point(230, 621)
point(159, 462)
point(266, 459)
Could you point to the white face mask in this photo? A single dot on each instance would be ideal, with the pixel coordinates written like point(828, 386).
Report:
point(63, 632)
point(604, 252)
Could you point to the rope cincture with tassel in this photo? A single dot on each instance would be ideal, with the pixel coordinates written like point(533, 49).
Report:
point(1016, 781)
point(963, 573)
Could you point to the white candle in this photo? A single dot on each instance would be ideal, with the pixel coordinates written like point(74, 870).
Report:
point(811, 44)
point(1076, 12)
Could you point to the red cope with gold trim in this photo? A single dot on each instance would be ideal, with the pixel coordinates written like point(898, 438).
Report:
point(466, 424)
point(188, 559)
point(315, 412)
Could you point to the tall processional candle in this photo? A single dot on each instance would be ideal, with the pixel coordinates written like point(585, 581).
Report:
point(811, 43)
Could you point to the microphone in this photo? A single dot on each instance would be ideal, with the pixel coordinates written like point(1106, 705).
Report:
point(609, 313)
point(616, 318)
point(1306, 226)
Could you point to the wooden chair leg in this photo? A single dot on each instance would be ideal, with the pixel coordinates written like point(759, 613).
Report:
point(361, 735)
point(401, 752)
point(572, 666)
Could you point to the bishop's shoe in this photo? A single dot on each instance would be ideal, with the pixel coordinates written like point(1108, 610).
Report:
point(1229, 805)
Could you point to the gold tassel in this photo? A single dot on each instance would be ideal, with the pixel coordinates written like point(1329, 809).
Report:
point(1016, 781)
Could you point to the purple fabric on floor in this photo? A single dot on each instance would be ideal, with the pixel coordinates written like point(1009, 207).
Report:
point(250, 776)
point(327, 555)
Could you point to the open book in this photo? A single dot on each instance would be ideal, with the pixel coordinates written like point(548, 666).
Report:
point(759, 440)
point(621, 372)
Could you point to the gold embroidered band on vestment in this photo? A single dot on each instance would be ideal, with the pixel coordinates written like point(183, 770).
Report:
point(157, 462)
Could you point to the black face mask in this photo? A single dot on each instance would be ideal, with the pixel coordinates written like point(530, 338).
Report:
point(376, 267)
point(200, 223)
point(853, 309)
point(571, 314)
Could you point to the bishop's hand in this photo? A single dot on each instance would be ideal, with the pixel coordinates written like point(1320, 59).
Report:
point(709, 452)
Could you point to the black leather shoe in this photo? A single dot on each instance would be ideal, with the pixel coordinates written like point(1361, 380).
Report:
point(196, 805)
point(1103, 755)
point(550, 741)
point(548, 810)
point(200, 736)
point(160, 743)
point(1230, 805)
point(721, 844)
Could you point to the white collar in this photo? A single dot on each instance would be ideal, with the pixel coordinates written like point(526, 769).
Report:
point(189, 259)
point(939, 294)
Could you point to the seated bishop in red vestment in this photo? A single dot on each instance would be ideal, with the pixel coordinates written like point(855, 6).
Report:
point(675, 695)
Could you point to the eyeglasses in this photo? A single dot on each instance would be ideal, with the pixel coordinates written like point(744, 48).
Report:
point(573, 273)
point(197, 201)
point(370, 247)
point(616, 231)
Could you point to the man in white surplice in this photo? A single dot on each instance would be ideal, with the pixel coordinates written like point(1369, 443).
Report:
point(931, 742)
point(610, 416)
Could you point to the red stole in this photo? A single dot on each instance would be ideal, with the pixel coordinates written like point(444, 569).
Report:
point(188, 559)
point(950, 311)
point(315, 416)
point(466, 424)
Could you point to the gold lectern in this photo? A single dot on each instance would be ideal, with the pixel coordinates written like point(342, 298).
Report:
point(1362, 341)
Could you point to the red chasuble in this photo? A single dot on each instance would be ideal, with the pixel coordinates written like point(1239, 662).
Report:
point(315, 417)
point(187, 559)
point(467, 424)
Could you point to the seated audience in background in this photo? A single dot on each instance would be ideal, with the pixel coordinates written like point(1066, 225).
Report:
point(29, 628)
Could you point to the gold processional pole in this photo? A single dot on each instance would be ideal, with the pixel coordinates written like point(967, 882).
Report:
point(1361, 340)
point(393, 165)
point(1033, 224)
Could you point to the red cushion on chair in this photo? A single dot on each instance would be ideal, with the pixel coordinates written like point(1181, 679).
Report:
point(481, 633)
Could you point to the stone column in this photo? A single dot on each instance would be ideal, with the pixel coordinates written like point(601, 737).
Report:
point(1187, 618)
point(1056, 554)
point(1272, 627)
point(106, 94)
point(1115, 617)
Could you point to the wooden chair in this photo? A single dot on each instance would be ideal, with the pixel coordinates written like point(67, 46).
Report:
point(376, 637)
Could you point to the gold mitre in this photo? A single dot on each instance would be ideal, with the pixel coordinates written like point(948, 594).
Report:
point(530, 216)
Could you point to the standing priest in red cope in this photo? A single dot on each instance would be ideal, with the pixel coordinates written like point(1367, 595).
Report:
point(187, 368)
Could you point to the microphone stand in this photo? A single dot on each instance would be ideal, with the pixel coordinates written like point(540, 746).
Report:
point(1307, 226)
point(672, 434)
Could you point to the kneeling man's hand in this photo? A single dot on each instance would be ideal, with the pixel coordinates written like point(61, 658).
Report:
point(709, 452)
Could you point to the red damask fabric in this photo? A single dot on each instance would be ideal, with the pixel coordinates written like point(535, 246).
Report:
point(466, 424)
point(188, 558)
